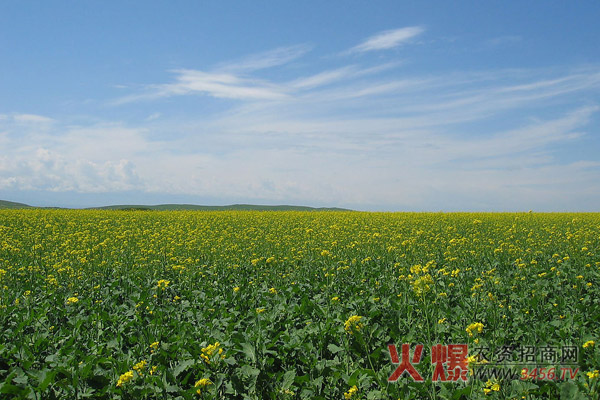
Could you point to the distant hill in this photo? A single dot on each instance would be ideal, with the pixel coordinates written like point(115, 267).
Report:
point(242, 207)
point(168, 207)
point(12, 204)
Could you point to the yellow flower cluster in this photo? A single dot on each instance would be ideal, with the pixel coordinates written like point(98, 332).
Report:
point(211, 349)
point(124, 378)
point(351, 392)
point(202, 383)
point(474, 327)
point(422, 284)
point(72, 300)
point(589, 343)
point(491, 386)
point(353, 324)
point(139, 367)
point(162, 284)
point(594, 374)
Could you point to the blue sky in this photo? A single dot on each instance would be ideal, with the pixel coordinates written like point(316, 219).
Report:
point(376, 105)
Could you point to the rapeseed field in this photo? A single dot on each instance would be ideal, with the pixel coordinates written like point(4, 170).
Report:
point(297, 305)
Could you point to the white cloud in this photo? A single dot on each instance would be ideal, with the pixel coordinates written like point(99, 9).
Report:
point(388, 39)
point(267, 59)
point(214, 84)
point(45, 169)
point(26, 118)
point(323, 78)
point(83, 159)
point(222, 85)
point(336, 75)
point(32, 118)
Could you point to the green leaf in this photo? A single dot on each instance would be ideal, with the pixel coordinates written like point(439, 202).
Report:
point(45, 377)
point(249, 351)
point(182, 366)
point(569, 390)
point(288, 379)
point(374, 394)
point(334, 348)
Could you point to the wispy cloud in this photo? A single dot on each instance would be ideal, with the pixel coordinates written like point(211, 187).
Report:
point(220, 85)
point(28, 118)
point(227, 80)
point(346, 73)
point(267, 59)
point(214, 84)
point(388, 39)
point(323, 78)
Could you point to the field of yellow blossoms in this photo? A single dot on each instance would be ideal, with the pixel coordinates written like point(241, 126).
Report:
point(289, 305)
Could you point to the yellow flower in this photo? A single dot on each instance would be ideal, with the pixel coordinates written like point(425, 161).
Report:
point(162, 284)
point(236, 289)
point(335, 298)
point(474, 327)
point(211, 349)
point(140, 366)
point(589, 343)
point(441, 321)
point(202, 383)
point(422, 284)
point(72, 300)
point(126, 377)
point(594, 374)
point(348, 395)
point(491, 386)
point(353, 324)
point(260, 310)
point(273, 290)
point(154, 346)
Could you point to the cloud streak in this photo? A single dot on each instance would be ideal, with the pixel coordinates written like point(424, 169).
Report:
point(388, 39)
point(267, 59)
